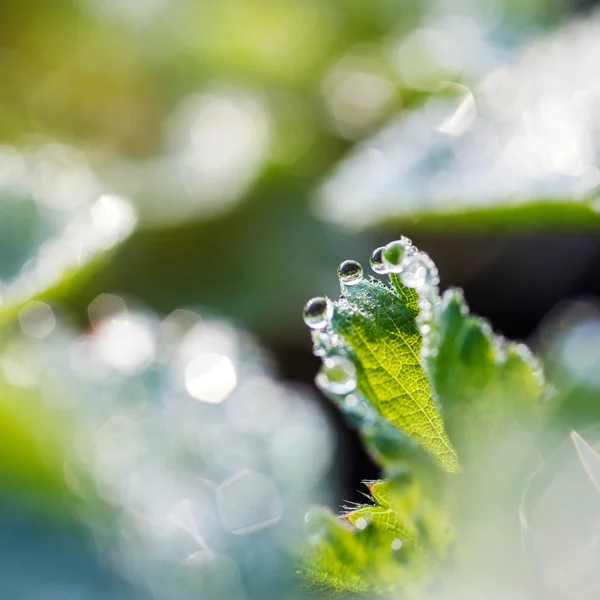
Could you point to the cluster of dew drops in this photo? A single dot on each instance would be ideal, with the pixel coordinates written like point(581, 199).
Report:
point(416, 270)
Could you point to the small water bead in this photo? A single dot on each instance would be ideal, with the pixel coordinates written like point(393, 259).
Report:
point(419, 271)
point(319, 350)
point(318, 312)
point(351, 400)
point(350, 272)
point(376, 261)
point(325, 340)
point(395, 252)
point(337, 375)
point(396, 544)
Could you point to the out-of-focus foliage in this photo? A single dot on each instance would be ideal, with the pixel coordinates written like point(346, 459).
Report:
point(515, 144)
point(188, 462)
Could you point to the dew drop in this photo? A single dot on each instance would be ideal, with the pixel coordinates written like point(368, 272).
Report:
point(351, 400)
point(395, 252)
point(337, 375)
point(318, 350)
point(318, 312)
point(376, 261)
point(396, 544)
point(350, 272)
point(418, 271)
point(322, 341)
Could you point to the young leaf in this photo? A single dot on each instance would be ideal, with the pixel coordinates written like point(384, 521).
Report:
point(381, 547)
point(395, 357)
point(485, 384)
point(385, 339)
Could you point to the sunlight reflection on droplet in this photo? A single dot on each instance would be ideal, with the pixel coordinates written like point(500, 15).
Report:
point(175, 326)
point(125, 342)
point(351, 400)
point(210, 377)
point(182, 516)
point(589, 458)
point(112, 218)
point(249, 501)
point(105, 306)
point(460, 119)
point(37, 319)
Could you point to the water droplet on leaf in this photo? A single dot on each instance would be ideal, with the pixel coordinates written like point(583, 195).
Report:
point(318, 312)
point(395, 252)
point(350, 272)
point(376, 261)
point(351, 400)
point(337, 375)
point(418, 271)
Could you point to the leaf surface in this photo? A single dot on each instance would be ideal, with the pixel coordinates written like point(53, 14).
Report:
point(385, 339)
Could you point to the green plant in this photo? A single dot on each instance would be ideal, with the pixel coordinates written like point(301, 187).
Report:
point(450, 410)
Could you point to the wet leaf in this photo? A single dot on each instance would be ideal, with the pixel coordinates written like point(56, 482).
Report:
point(385, 339)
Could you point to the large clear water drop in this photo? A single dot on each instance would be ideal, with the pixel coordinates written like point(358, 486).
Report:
point(318, 312)
point(350, 272)
point(337, 375)
point(395, 252)
point(376, 261)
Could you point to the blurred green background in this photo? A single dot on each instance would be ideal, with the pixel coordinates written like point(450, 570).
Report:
point(260, 143)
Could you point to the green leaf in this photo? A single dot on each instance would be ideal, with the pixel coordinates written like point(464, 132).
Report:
point(377, 548)
point(485, 384)
point(385, 340)
point(430, 378)
point(334, 559)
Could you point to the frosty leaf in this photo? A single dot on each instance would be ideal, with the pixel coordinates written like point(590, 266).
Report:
point(383, 334)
